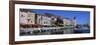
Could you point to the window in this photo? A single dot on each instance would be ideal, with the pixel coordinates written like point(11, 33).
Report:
point(22, 16)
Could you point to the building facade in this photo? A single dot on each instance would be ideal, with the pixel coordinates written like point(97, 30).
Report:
point(23, 17)
point(39, 19)
point(73, 22)
point(43, 20)
point(27, 17)
point(31, 18)
point(66, 22)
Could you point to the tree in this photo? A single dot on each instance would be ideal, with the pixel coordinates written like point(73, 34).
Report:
point(59, 22)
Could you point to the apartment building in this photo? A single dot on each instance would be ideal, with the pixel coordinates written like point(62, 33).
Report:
point(69, 21)
point(73, 21)
point(23, 15)
point(66, 22)
point(28, 17)
point(43, 20)
point(31, 18)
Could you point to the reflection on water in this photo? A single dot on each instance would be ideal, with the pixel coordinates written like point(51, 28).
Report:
point(82, 31)
point(51, 31)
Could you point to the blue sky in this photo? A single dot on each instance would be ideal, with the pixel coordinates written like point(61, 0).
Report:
point(82, 17)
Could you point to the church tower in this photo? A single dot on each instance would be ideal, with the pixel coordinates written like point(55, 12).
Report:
point(74, 23)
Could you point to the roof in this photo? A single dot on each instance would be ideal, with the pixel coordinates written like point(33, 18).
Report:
point(26, 10)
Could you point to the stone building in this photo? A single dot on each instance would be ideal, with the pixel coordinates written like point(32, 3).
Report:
point(28, 17)
point(43, 20)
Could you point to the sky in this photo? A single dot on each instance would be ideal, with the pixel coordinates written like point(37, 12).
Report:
point(82, 17)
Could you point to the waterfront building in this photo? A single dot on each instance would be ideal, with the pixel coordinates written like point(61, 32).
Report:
point(27, 17)
point(69, 21)
point(43, 20)
point(46, 20)
point(31, 18)
point(73, 21)
point(52, 19)
point(23, 15)
point(66, 21)
point(39, 19)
